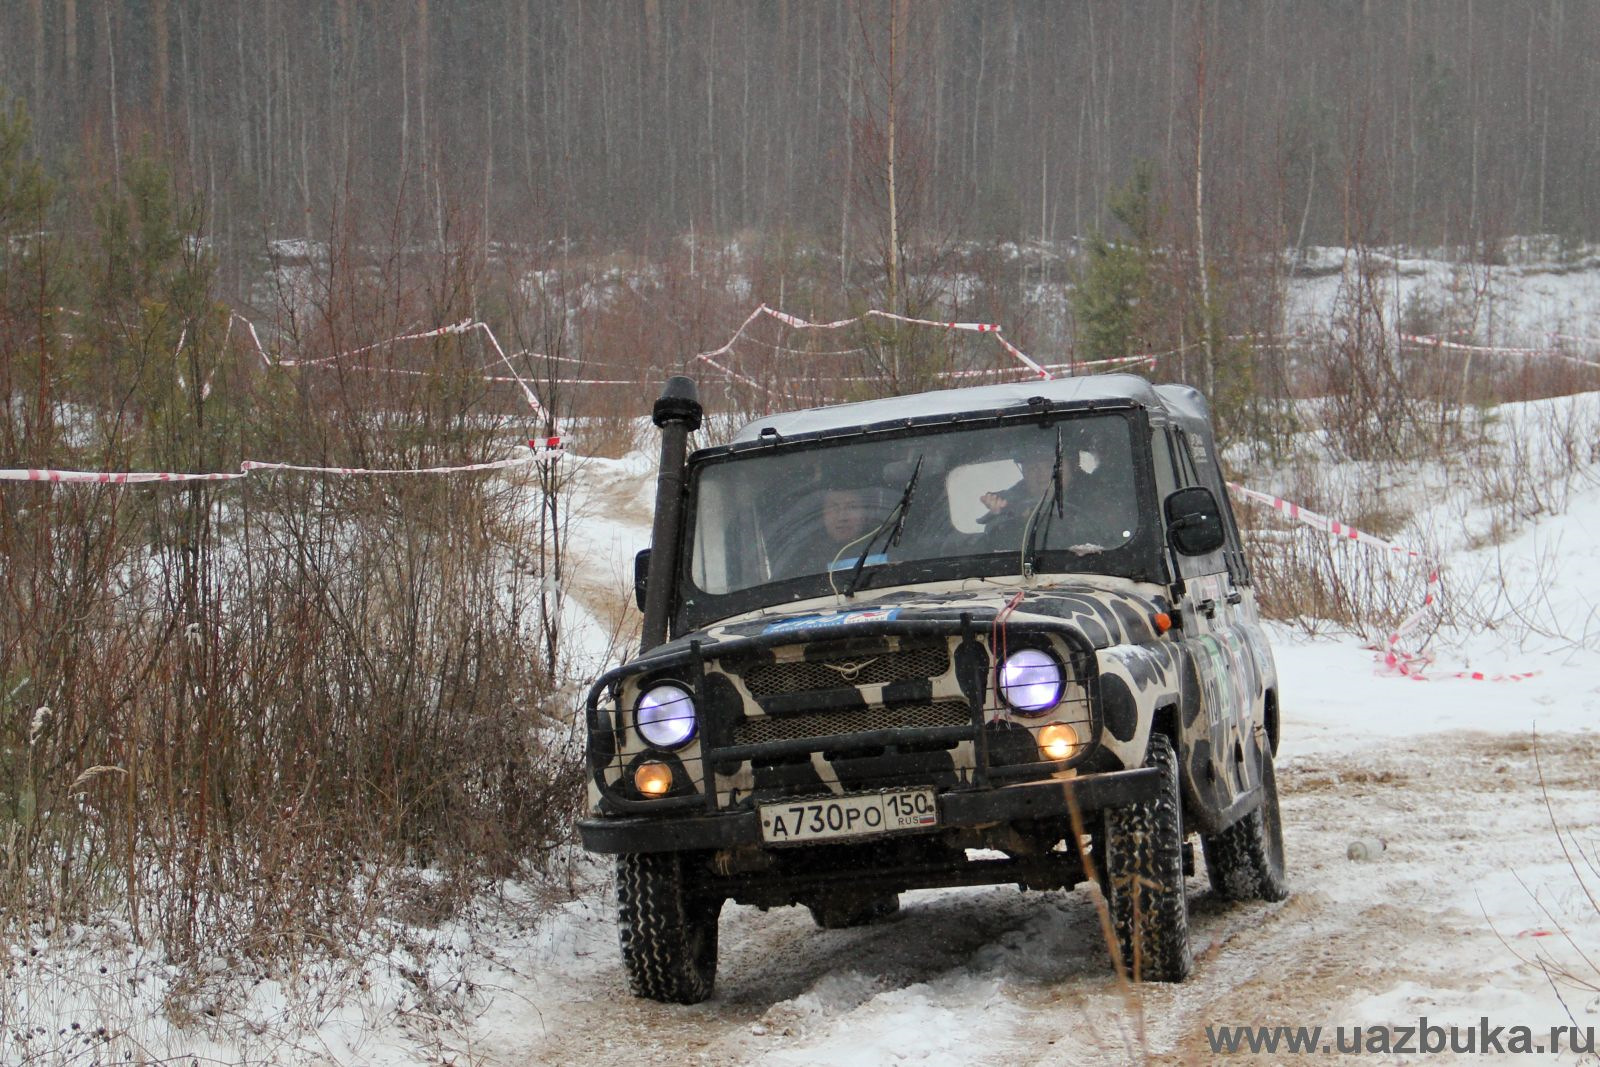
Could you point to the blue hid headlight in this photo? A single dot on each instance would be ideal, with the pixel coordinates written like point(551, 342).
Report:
point(665, 717)
point(1030, 681)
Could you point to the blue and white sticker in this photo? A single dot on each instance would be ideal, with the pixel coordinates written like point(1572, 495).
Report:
point(838, 618)
point(877, 559)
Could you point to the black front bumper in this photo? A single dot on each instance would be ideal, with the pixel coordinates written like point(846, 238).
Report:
point(978, 807)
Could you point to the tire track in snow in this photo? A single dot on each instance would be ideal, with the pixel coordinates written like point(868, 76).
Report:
point(999, 975)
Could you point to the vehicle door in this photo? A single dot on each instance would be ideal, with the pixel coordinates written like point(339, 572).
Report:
point(1220, 679)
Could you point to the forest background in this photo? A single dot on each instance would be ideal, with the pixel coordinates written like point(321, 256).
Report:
point(245, 715)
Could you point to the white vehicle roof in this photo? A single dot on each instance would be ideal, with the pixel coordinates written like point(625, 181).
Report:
point(1184, 403)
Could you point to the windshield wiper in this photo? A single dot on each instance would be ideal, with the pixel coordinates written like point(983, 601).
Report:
point(894, 522)
point(1049, 500)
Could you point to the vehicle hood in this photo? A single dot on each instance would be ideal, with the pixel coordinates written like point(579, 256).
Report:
point(1104, 616)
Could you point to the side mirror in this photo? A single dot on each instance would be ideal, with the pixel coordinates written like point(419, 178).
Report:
point(641, 576)
point(1194, 521)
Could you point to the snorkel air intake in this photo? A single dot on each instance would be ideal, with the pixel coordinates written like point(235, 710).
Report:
point(677, 412)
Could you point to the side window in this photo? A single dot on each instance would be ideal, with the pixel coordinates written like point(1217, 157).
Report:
point(1188, 473)
point(710, 567)
point(1161, 458)
point(1199, 467)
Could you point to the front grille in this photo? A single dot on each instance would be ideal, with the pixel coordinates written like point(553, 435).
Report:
point(902, 665)
point(766, 729)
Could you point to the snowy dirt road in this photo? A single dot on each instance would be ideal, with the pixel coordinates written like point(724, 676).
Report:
point(997, 975)
point(1472, 877)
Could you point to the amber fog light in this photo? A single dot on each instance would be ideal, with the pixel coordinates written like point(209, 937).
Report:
point(1058, 741)
point(653, 779)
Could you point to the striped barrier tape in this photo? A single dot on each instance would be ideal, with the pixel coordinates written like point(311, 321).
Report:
point(1578, 338)
point(333, 362)
point(705, 357)
point(1317, 521)
point(1430, 341)
point(798, 323)
point(405, 372)
point(465, 326)
point(540, 450)
point(1119, 361)
point(65, 477)
point(1393, 658)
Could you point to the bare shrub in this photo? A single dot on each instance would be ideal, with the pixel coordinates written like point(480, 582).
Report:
point(239, 715)
point(1370, 413)
point(1323, 583)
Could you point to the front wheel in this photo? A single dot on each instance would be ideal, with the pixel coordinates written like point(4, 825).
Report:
point(668, 932)
point(1245, 861)
point(1144, 872)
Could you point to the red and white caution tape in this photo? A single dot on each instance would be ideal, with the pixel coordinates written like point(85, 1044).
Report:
point(1578, 338)
point(405, 372)
point(1393, 658)
point(1022, 357)
point(798, 323)
point(29, 474)
point(493, 465)
point(541, 450)
point(1473, 676)
point(465, 326)
point(1039, 370)
point(705, 357)
point(1430, 341)
point(1119, 361)
point(1034, 369)
point(787, 351)
point(1317, 521)
point(1308, 517)
point(255, 338)
point(727, 346)
point(527, 391)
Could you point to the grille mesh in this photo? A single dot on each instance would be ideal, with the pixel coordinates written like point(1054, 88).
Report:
point(765, 729)
point(771, 679)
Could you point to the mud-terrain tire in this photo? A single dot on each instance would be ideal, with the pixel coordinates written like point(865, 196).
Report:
point(1245, 861)
point(1144, 862)
point(841, 914)
point(668, 932)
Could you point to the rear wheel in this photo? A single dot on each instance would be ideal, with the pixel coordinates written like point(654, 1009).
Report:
point(1245, 861)
point(1144, 869)
point(668, 931)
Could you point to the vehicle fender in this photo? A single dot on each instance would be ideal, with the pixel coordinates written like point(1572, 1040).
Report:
point(1135, 681)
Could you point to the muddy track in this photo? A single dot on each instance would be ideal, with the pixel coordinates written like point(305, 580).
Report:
point(1463, 803)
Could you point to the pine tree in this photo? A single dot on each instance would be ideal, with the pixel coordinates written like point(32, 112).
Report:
point(1113, 300)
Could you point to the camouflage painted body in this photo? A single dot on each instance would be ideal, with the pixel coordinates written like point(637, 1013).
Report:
point(1062, 678)
point(796, 702)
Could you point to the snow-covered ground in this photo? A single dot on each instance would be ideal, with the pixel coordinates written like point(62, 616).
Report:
point(1471, 794)
point(1535, 300)
point(1450, 920)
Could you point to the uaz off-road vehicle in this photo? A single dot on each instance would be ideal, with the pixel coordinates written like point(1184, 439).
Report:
point(993, 635)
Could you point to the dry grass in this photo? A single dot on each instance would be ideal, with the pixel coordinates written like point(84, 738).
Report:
point(235, 717)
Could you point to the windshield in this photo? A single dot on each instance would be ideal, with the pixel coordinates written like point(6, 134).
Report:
point(850, 514)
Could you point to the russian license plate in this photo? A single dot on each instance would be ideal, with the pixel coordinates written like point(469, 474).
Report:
point(827, 818)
